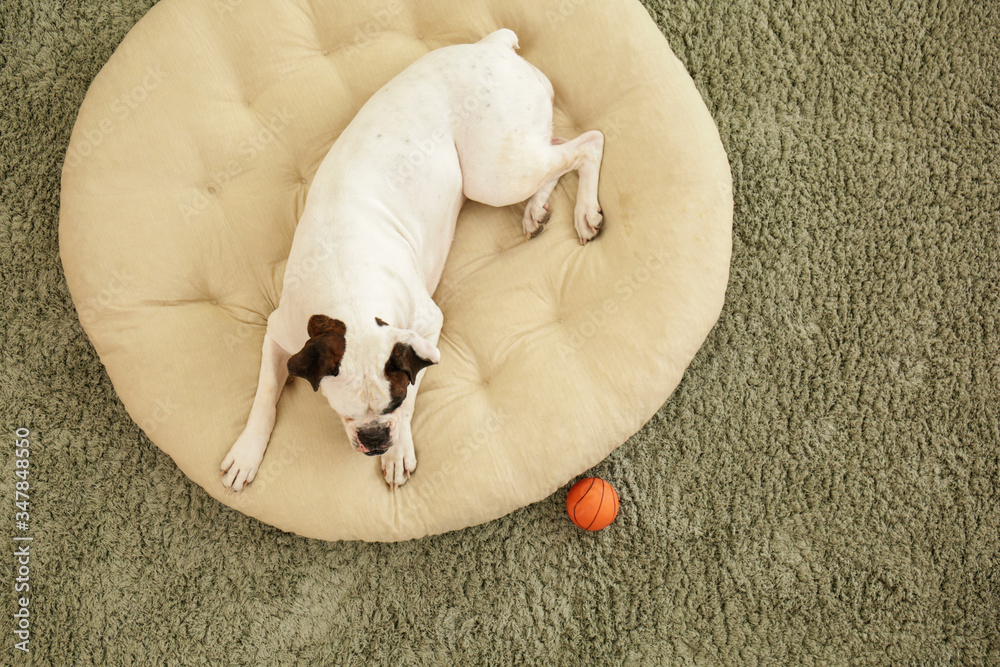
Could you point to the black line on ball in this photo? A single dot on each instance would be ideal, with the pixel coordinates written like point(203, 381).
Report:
point(599, 505)
point(580, 500)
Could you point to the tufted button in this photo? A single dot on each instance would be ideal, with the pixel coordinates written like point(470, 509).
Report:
point(212, 190)
point(246, 102)
point(303, 180)
point(326, 52)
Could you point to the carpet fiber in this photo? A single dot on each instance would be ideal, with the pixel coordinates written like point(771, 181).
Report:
point(821, 489)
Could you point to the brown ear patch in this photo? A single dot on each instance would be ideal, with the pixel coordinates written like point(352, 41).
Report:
point(382, 323)
point(397, 389)
point(321, 324)
point(401, 370)
point(322, 353)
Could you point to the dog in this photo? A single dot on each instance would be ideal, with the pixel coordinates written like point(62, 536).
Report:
point(356, 318)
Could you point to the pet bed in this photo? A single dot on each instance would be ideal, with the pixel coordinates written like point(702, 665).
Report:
point(186, 173)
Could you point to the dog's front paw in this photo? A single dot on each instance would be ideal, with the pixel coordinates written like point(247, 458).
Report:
point(588, 223)
point(242, 463)
point(398, 464)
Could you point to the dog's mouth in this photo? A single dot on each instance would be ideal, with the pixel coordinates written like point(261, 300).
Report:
point(369, 451)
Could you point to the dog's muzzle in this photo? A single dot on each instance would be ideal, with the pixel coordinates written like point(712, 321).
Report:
point(374, 440)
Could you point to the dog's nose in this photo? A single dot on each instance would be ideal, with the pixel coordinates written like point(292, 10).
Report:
point(374, 439)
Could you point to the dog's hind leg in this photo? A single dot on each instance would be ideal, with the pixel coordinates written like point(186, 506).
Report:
point(584, 155)
point(588, 218)
point(536, 212)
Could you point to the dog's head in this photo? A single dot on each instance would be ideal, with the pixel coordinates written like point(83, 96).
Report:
point(366, 380)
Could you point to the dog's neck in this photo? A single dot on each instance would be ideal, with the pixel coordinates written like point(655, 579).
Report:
point(382, 287)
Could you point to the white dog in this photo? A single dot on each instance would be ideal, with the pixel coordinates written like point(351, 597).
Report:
point(356, 318)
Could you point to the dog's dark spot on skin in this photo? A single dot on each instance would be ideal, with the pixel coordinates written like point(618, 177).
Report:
point(396, 400)
point(322, 353)
point(401, 370)
point(382, 323)
point(398, 384)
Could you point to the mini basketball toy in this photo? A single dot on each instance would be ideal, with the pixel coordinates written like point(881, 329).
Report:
point(592, 504)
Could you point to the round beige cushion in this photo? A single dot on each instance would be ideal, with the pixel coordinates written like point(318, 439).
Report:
point(186, 174)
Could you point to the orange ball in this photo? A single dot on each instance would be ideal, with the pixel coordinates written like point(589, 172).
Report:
point(592, 503)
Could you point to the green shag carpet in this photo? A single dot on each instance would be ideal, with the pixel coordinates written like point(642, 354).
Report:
point(821, 489)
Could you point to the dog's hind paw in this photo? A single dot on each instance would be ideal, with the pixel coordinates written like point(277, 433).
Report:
point(588, 224)
point(535, 217)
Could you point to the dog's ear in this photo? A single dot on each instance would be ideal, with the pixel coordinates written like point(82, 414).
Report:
point(322, 353)
point(405, 359)
point(411, 354)
point(321, 324)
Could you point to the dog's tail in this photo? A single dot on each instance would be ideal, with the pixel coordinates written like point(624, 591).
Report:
point(503, 36)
